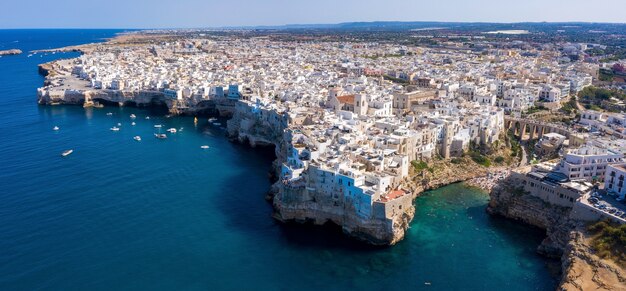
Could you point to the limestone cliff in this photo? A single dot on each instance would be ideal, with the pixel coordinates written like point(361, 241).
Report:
point(443, 172)
point(512, 202)
point(565, 238)
point(583, 270)
point(293, 201)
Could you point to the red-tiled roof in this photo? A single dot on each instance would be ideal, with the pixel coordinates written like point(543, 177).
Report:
point(395, 194)
point(346, 99)
point(392, 195)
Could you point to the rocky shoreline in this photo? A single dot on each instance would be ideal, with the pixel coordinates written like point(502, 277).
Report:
point(566, 239)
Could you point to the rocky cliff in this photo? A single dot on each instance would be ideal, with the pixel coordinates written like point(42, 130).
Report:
point(583, 270)
point(509, 201)
point(440, 173)
point(294, 202)
point(565, 238)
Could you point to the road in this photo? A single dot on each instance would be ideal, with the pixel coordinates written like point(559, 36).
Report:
point(524, 160)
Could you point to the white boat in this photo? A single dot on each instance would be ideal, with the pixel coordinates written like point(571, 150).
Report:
point(137, 138)
point(67, 153)
point(133, 116)
point(172, 130)
point(217, 124)
point(133, 123)
point(55, 128)
point(160, 135)
point(157, 126)
point(212, 119)
point(115, 128)
point(204, 147)
point(147, 117)
point(119, 124)
point(109, 113)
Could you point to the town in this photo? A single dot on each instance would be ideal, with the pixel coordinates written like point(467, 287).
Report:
point(352, 121)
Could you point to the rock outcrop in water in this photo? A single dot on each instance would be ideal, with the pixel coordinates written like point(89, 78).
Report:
point(565, 238)
point(10, 52)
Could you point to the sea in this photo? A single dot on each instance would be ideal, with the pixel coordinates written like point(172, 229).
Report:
point(120, 214)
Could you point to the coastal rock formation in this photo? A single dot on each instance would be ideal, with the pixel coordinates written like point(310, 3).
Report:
point(295, 201)
point(443, 172)
point(565, 238)
point(10, 52)
point(583, 270)
point(509, 201)
point(62, 87)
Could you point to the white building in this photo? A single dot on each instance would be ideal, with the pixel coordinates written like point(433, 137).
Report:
point(588, 163)
point(614, 179)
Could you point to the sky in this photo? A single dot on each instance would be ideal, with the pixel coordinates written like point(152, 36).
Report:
point(213, 13)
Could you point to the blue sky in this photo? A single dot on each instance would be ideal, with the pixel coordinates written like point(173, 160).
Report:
point(212, 13)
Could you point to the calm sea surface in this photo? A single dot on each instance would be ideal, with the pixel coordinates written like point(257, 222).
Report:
point(168, 215)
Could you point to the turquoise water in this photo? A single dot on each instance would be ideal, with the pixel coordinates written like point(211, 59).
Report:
point(168, 215)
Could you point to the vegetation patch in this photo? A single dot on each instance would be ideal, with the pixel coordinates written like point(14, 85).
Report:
point(480, 159)
point(609, 240)
point(419, 165)
point(595, 98)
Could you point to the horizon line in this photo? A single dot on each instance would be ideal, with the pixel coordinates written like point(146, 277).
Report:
point(274, 26)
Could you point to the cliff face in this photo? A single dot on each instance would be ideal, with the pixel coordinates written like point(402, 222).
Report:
point(444, 172)
point(509, 201)
point(297, 204)
point(294, 202)
point(583, 270)
point(565, 238)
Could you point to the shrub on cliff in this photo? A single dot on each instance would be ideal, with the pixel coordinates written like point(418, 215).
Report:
point(480, 159)
point(419, 165)
point(609, 240)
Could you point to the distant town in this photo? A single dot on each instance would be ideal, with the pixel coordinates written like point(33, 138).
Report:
point(364, 121)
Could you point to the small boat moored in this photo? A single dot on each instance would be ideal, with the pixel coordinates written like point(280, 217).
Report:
point(137, 138)
point(55, 128)
point(204, 147)
point(115, 128)
point(133, 123)
point(109, 113)
point(160, 135)
point(67, 153)
point(133, 116)
point(157, 126)
point(172, 130)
